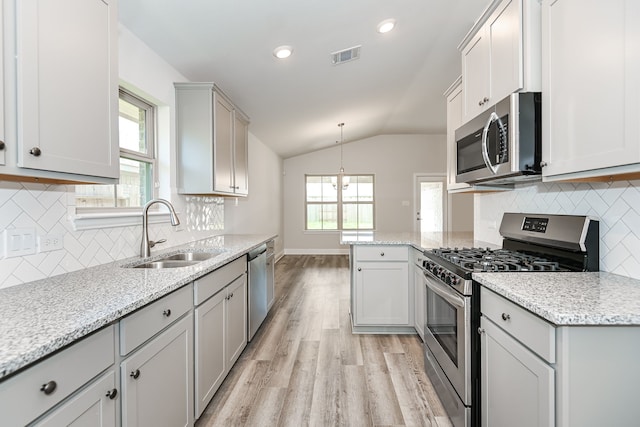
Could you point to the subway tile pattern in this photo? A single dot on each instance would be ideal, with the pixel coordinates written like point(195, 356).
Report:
point(615, 204)
point(47, 208)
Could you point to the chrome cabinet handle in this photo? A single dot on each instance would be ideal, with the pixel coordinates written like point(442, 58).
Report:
point(49, 387)
point(167, 312)
point(543, 164)
point(506, 316)
point(480, 331)
point(135, 374)
point(359, 269)
point(381, 253)
point(35, 151)
point(111, 394)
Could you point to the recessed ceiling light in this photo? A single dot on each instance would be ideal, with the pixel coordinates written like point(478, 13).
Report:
point(282, 52)
point(386, 26)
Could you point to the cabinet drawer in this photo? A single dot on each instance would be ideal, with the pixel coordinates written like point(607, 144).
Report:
point(382, 253)
point(21, 398)
point(212, 283)
point(526, 327)
point(146, 322)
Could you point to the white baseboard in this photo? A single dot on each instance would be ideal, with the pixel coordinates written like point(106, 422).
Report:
point(316, 251)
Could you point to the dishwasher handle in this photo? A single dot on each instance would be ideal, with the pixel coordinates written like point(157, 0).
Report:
point(255, 253)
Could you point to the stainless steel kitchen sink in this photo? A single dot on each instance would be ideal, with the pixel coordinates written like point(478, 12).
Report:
point(182, 259)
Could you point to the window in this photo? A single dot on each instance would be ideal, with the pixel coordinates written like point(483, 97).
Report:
point(339, 202)
point(137, 161)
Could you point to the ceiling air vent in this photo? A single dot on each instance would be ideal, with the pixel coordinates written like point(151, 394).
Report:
point(345, 55)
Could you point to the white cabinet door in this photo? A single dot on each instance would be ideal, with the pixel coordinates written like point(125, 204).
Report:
point(454, 120)
point(419, 284)
point(506, 55)
point(157, 380)
point(517, 387)
point(67, 77)
point(2, 99)
point(209, 349)
point(591, 87)
point(93, 406)
point(382, 293)
point(241, 155)
point(236, 320)
point(223, 145)
point(475, 75)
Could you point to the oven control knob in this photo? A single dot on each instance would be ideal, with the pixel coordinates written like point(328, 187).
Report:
point(435, 270)
point(443, 276)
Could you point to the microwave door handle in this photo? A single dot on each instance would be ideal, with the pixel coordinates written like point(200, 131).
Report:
point(485, 150)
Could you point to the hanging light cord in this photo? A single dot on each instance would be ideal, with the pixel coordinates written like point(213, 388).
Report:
point(340, 125)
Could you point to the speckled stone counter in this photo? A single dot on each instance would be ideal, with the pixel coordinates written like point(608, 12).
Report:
point(41, 317)
point(420, 241)
point(596, 298)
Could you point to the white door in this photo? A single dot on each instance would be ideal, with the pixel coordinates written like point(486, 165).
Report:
point(430, 203)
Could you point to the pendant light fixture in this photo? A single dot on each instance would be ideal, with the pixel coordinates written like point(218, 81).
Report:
point(344, 180)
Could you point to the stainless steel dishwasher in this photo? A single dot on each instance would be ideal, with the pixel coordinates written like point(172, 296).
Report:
point(257, 288)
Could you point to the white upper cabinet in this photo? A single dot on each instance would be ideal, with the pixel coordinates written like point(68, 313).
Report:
point(66, 89)
point(212, 142)
point(454, 120)
point(591, 87)
point(2, 135)
point(500, 55)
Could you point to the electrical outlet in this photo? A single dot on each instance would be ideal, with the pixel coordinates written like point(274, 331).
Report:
point(50, 242)
point(19, 242)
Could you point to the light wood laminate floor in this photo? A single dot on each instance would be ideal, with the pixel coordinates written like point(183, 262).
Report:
point(305, 367)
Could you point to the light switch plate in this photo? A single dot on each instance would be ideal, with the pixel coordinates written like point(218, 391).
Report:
point(19, 242)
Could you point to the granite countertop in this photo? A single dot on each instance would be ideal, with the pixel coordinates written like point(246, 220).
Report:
point(592, 298)
point(41, 317)
point(420, 241)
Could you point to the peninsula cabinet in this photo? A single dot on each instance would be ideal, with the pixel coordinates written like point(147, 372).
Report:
point(591, 85)
point(61, 91)
point(220, 327)
point(538, 374)
point(212, 142)
point(380, 290)
point(64, 385)
point(500, 55)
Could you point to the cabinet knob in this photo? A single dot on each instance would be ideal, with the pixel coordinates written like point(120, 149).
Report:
point(506, 316)
point(35, 151)
point(381, 253)
point(231, 296)
point(543, 164)
point(49, 387)
point(480, 331)
point(1, 145)
point(359, 269)
point(480, 103)
point(135, 374)
point(111, 394)
point(167, 312)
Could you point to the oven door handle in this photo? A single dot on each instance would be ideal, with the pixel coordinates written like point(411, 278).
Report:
point(485, 135)
point(445, 292)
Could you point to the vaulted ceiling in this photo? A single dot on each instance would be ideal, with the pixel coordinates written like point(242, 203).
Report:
point(395, 87)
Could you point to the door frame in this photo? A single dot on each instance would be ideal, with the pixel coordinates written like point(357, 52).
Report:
point(446, 199)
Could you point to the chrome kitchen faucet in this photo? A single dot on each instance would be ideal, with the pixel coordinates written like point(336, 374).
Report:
point(146, 245)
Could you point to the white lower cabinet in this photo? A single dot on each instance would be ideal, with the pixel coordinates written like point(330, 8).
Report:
point(93, 406)
point(381, 289)
point(517, 386)
point(157, 380)
point(419, 291)
point(221, 335)
point(31, 393)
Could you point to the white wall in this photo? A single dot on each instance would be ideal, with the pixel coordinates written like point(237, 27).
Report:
point(48, 208)
point(394, 159)
point(616, 205)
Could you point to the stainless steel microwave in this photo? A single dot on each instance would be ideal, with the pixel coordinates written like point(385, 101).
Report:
point(503, 144)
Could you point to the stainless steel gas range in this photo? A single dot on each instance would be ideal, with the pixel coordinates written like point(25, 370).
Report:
point(531, 243)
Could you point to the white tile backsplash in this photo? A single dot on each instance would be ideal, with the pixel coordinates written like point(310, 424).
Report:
point(47, 209)
point(616, 205)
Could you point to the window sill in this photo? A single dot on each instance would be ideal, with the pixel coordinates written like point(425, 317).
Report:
point(90, 221)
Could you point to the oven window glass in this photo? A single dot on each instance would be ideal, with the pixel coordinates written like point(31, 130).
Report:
point(442, 321)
